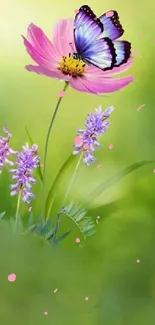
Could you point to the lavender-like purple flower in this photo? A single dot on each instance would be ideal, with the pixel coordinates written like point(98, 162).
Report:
point(27, 160)
point(5, 150)
point(86, 140)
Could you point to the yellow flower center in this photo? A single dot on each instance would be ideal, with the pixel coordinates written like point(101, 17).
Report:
point(71, 66)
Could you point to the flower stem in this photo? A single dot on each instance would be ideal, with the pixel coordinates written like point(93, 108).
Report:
point(66, 195)
point(17, 210)
point(46, 147)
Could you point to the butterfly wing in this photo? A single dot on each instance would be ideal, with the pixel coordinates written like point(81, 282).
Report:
point(87, 30)
point(112, 27)
point(123, 52)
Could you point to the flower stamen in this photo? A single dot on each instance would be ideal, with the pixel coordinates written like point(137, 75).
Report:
point(71, 66)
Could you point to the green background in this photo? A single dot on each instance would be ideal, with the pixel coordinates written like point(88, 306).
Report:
point(120, 290)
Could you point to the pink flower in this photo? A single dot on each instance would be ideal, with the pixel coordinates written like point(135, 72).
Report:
point(53, 61)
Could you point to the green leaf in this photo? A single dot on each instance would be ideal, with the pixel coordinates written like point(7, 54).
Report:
point(2, 215)
point(104, 186)
point(38, 168)
point(91, 232)
point(78, 216)
point(31, 220)
point(60, 238)
point(45, 228)
point(50, 234)
point(31, 229)
point(50, 197)
point(20, 224)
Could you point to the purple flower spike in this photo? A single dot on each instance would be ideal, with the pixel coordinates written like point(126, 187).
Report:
point(5, 150)
point(27, 160)
point(86, 140)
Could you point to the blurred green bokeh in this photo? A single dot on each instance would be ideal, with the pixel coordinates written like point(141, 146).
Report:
point(120, 290)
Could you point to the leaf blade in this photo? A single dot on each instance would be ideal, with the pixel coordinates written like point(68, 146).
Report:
point(63, 236)
point(50, 197)
point(103, 187)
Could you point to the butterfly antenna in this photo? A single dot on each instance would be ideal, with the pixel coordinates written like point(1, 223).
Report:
point(71, 45)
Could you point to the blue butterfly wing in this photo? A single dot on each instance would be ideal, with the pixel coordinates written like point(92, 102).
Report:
point(101, 54)
point(123, 52)
point(112, 27)
point(87, 30)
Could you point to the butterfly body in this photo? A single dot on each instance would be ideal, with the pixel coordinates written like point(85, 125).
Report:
point(96, 39)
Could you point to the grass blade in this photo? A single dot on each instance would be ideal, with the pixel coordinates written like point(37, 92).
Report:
point(104, 186)
point(50, 197)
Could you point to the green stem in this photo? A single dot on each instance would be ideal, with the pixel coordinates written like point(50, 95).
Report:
point(72, 179)
point(46, 147)
point(17, 210)
point(66, 195)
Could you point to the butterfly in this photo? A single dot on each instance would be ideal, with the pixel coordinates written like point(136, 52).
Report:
point(96, 39)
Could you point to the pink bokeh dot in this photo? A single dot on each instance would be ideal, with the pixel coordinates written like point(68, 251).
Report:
point(110, 146)
point(12, 277)
point(61, 93)
point(86, 146)
point(98, 217)
point(55, 290)
point(41, 165)
point(77, 240)
point(138, 261)
point(98, 166)
point(141, 106)
point(78, 140)
point(76, 11)
point(109, 14)
point(45, 313)
point(86, 298)
point(154, 170)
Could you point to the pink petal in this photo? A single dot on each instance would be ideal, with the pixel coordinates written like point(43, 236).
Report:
point(97, 85)
point(114, 71)
point(12, 277)
point(138, 109)
point(78, 84)
point(37, 57)
point(61, 93)
point(63, 36)
point(48, 73)
point(41, 43)
point(110, 146)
